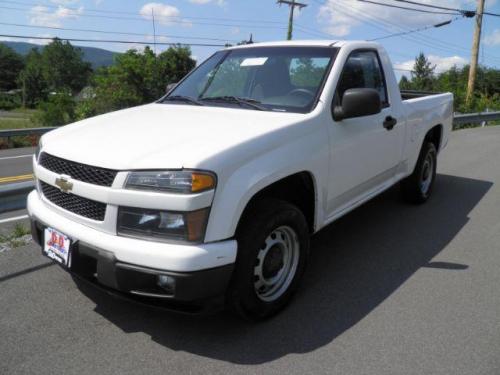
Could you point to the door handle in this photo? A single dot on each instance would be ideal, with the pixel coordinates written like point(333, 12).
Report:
point(390, 122)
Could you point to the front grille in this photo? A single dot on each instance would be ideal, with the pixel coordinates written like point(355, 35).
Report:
point(73, 203)
point(78, 171)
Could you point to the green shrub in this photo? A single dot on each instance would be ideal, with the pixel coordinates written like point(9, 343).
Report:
point(58, 110)
point(9, 101)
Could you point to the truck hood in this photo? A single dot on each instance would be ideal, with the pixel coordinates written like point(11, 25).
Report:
point(162, 135)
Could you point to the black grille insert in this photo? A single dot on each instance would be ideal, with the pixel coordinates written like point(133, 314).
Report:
point(73, 203)
point(78, 171)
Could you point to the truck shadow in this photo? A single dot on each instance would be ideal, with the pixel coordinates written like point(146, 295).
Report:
point(356, 263)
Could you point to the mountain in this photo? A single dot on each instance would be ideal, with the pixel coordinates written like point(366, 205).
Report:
point(96, 56)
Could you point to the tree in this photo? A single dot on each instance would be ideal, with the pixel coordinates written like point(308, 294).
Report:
point(58, 110)
point(173, 64)
point(11, 64)
point(32, 80)
point(58, 68)
point(306, 72)
point(63, 67)
point(423, 73)
point(137, 78)
point(405, 83)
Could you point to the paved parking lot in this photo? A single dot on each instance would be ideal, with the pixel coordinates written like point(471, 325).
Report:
point(391, 289)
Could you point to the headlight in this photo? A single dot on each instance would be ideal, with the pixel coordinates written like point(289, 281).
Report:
point(168, 225)
point(171, 181)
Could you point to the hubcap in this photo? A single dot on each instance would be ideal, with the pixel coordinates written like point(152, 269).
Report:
point(427, 174)
point(276, 263)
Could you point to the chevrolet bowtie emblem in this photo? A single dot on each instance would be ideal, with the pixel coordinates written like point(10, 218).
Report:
point(64, 184)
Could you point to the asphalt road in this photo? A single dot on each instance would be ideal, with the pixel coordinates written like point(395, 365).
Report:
point(15, 165)
point(391, 289)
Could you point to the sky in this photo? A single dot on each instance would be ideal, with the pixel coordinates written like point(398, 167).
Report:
point(216, 22)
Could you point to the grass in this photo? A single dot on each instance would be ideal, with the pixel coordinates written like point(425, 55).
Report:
point(15, 123)
point(19, 118)
point(13, 239)
point(26, 111)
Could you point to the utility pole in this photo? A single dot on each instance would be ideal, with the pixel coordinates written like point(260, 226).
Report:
point(292, 4)
point(475, 52)
point(154, 29)
point(24, 89)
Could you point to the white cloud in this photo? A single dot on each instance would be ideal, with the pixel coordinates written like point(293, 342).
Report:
point(33, 41)
point(338, 17)
point(163, 13)
point(42, 41)
point(493, 39)
point(159, 38)
point(64, 2)
point(202, 2)
point(442, 63)
point(42, 16)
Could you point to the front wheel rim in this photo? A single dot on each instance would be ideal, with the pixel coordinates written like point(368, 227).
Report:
point(427, 174)
point(276, 263)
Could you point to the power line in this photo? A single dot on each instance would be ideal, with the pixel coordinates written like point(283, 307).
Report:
point(112, 32)
point(311, 31)
point(445, 8)
point(177, 20)
point(110, 41)
point(78, 12)
point(441, 24)
point(135, 13)
point(407, 8)
point(416, 38)
point(430, 40)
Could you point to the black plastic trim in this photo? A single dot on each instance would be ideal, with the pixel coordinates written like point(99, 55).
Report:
point(195, 292)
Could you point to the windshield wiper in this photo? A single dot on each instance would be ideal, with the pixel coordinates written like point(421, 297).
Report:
point(182, 98)
point(238, 100)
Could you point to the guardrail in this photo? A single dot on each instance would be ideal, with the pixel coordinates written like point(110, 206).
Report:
point(13, 196)
point(475, 118)
point(22, 132)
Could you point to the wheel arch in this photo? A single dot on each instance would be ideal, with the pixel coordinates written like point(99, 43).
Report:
point(435, 136)
point(298, 189)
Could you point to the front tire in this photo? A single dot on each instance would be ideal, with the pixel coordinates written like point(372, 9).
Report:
point(273, 248)
point(417, 187)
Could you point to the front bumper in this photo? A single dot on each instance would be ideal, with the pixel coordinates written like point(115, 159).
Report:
point(130, 267)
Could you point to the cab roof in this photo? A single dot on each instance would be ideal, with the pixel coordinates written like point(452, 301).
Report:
point(304, 43)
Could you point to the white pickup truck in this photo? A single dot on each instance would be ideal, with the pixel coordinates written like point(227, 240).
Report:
point(208, 197)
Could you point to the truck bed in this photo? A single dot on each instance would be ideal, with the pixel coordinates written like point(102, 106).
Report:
point(413, 94)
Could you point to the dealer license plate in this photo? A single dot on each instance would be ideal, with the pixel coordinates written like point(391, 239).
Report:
point(57, 246)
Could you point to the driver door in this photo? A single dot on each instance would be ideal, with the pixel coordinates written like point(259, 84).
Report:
point(364, 155)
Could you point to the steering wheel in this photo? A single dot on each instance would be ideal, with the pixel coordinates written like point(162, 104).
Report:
point(309, 95)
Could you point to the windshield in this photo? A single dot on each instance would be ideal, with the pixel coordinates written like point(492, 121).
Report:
point(286, 79)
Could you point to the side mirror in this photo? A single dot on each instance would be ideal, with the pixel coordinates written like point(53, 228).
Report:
point(171, 86)
point(357, 103)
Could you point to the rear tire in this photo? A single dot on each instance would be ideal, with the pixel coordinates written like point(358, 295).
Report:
point(273, 249)
point(417, 188)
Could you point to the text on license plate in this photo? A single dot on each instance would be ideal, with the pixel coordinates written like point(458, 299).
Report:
point(56, 246)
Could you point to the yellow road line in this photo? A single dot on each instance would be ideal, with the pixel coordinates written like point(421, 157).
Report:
point(16, 178)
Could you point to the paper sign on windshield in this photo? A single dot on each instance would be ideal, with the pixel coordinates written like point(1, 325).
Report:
point(254, 61)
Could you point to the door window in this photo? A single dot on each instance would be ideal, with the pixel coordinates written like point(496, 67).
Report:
point(362, 70)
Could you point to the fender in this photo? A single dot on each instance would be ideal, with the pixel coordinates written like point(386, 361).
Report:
point(307, 151)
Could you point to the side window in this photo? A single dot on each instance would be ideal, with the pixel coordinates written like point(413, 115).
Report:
point(362, 70)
